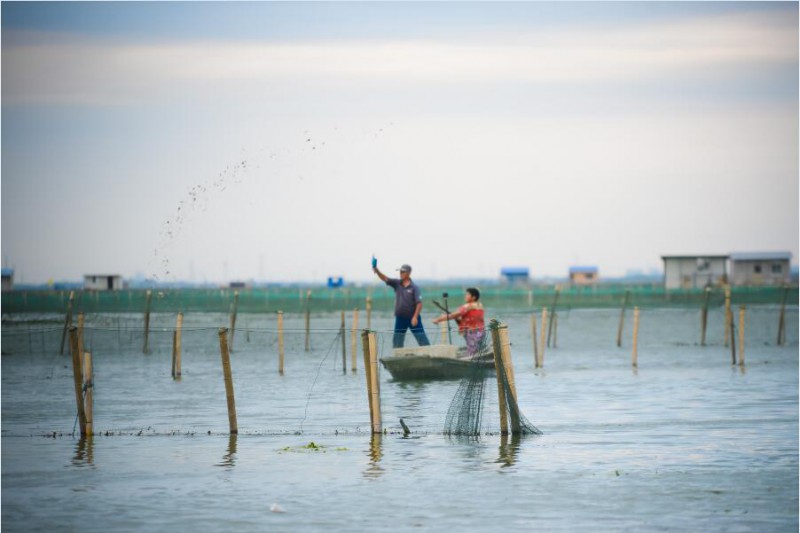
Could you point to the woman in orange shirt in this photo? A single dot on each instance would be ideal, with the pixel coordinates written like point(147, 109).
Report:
point(469, 318)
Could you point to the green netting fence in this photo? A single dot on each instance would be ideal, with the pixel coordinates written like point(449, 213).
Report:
point(381, 299)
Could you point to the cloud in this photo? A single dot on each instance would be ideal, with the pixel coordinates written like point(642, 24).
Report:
point(107, 72)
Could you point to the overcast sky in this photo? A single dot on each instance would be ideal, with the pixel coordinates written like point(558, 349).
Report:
point(291, 141)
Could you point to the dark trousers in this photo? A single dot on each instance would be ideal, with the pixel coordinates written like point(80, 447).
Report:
point(401, 325)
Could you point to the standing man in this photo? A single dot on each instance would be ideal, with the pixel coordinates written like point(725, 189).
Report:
point(407, 306)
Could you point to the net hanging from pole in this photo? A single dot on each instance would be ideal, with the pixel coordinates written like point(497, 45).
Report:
point(465, 413)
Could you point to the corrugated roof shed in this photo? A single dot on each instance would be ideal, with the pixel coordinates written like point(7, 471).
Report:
point(761, 256)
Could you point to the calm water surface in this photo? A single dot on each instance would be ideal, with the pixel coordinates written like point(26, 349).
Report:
point(687, 442)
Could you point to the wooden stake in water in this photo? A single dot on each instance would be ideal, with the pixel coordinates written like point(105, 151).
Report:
point(555, 331)
point(369, 312)
point(280, 342)
point(732, 330)
point(67, 320)
point(728, 316)
point(308, 321)
point(234, 311)
point(741, 335)
point(77, 375)
point(622, 317)
point(226, 371)
point(530, 298)
point(541, 340)
point(498, 364)
point(354, 341)
point(178, 338)
point(80, 334)
point(635, 352)
point(148, 297)
point(782, 319)
point(553, 313)
point(704, 317)
point(373, 384)
point(88, 386)
point(535, 343)
point(508, 368)
point(344, 346)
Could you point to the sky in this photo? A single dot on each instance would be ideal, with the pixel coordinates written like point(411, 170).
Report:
point(291, 141)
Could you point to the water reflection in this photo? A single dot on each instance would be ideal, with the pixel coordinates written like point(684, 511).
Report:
point(229, 459)
point(84, 452)
point(374, 470)
point(508, 451)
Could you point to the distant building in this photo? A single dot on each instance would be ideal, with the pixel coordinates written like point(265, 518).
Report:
point(102, 282)
point(583, 275)
point(334, 282)
point(238, 285)
point(761, 268)
point(515, 275)
point(8, 279)
point(694, 271)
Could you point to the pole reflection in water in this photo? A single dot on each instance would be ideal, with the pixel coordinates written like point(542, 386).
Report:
point(229, 459)
point(375, 452)
point(84, 452)
point(508, 451)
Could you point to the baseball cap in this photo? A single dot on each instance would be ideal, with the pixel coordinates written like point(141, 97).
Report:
point(405, 268)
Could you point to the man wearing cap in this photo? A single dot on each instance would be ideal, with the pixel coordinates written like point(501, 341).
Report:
point(407, 306)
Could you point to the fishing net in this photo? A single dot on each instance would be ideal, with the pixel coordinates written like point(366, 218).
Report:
point(465, 414)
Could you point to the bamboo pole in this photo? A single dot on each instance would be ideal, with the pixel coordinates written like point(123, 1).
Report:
point(354, 341)
point(67, 320)
point(365, 349)
point(80, 334)
point(741, 335)
point(234, 312)
point(508, 369)
point(498, 364)
point(535, 343)
point(308, 321)
point(732, 330)
point(226, 371)
point(530, 297)
point(88, 386)
point(344, 346)
point(555, 331)
point(541, 340)
point(553, 313)
point(376, 384)
point(728, 318)
point(148, 297)
point(369, 312)
point(178, 347)
point(280, 342)
point(622, 317)
point(782, 319)
point(635, 352)
point(443, 332)
point(373, 384)
point(174, 352)
point(77, 376)
point(704, 317)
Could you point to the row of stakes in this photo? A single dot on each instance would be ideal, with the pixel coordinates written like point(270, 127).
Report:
point(82, 360)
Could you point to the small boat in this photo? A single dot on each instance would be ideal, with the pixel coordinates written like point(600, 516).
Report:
point(438, 361)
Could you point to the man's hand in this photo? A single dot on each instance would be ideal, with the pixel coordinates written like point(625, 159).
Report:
point(414, 321)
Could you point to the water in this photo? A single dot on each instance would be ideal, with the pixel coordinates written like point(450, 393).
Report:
point(685, 442)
